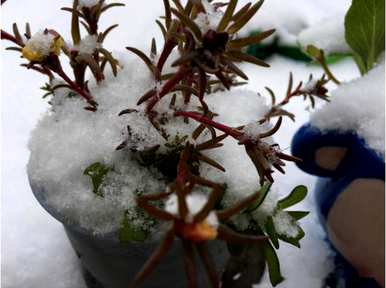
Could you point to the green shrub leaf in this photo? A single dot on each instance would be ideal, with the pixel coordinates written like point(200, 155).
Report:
point(365, 31)
point(295, 241)
point(97, 172)
point(273, 264)
point(129, 233)
point(296, 196)
point(297, 215)
point(263, 193)
point(271, 231)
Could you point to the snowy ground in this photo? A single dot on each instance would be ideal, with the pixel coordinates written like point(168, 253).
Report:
point(35, 251)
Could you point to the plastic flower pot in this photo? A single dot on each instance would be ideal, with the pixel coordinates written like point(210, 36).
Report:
point(350, 199)
point(108, 263)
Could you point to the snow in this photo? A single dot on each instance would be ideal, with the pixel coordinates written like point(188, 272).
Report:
point(47, 259)
point(254, 129)
point(195, 203)
point(289, 19)
point(87, 45)
point(210, 19)
point(40, 43)
point(87, 3)
point(358, 106)
point(68, 133)
point(327, 34)
point(284, 224)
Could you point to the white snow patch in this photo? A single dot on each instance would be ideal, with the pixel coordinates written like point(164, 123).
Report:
point(210, 19)
point(87, 3)
point(195, 202)
point(285, 224)
point(88, 44)
point(69, 139)
point(41, 43)
point(358, 106)
point(328, 35)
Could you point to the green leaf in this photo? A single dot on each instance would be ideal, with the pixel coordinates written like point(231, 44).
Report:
point(365, 31)
point(273, 264)
point(314, 51)
point(297, 195)
point(293, 240)
point(271, 231)
point(297, 215)
point(97, 172)
point(263, 193)
point(227, 15)
point(75, 30)
point(129, 233)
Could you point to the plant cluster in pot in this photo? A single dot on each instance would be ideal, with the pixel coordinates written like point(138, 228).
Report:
point(344, 145)
point(162, 164)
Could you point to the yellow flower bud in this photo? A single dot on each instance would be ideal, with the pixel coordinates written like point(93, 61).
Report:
point(42, 45)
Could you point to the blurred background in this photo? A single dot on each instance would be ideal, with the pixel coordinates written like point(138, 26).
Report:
point(35, 251)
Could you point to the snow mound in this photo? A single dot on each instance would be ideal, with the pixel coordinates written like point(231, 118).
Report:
point(358, 106)
point(327, 34)
point(69, 139)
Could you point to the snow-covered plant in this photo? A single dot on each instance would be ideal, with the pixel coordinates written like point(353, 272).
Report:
point(44, 48)
point(173, 131)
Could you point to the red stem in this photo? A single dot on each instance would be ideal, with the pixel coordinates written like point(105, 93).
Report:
point(9, 37)
point(168, 86)
point(168, 48)
point(76, 88)
point(202, 119)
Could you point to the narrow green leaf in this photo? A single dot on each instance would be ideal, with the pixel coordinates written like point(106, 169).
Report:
point(168, 14)
point(240, 56)
point(109, 58)
point(252, 39)
point(97, 172)
point(297, 195)
point(273, 264)
point(271, 231)
point(263, 193)
point(144, 58)
point(365, 30)
point(295, 241)
point(237, 25)
point(241, 12)
point(75, 29)
point(297, 215)
point(111, 5)
point(17, 33)
point(107, 31)
point(227, 16)
point(189, 23)
point(314, 51)
point(129, 233)
point(92, 64)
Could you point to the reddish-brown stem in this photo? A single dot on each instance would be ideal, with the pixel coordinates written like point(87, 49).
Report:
point(190, 266)
point(76, 88)
point(167, 87)
point(208, 264)
point(9, 37)
point(168, 48)
point(154, 259)
point(40, 69)
point(202, 119)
